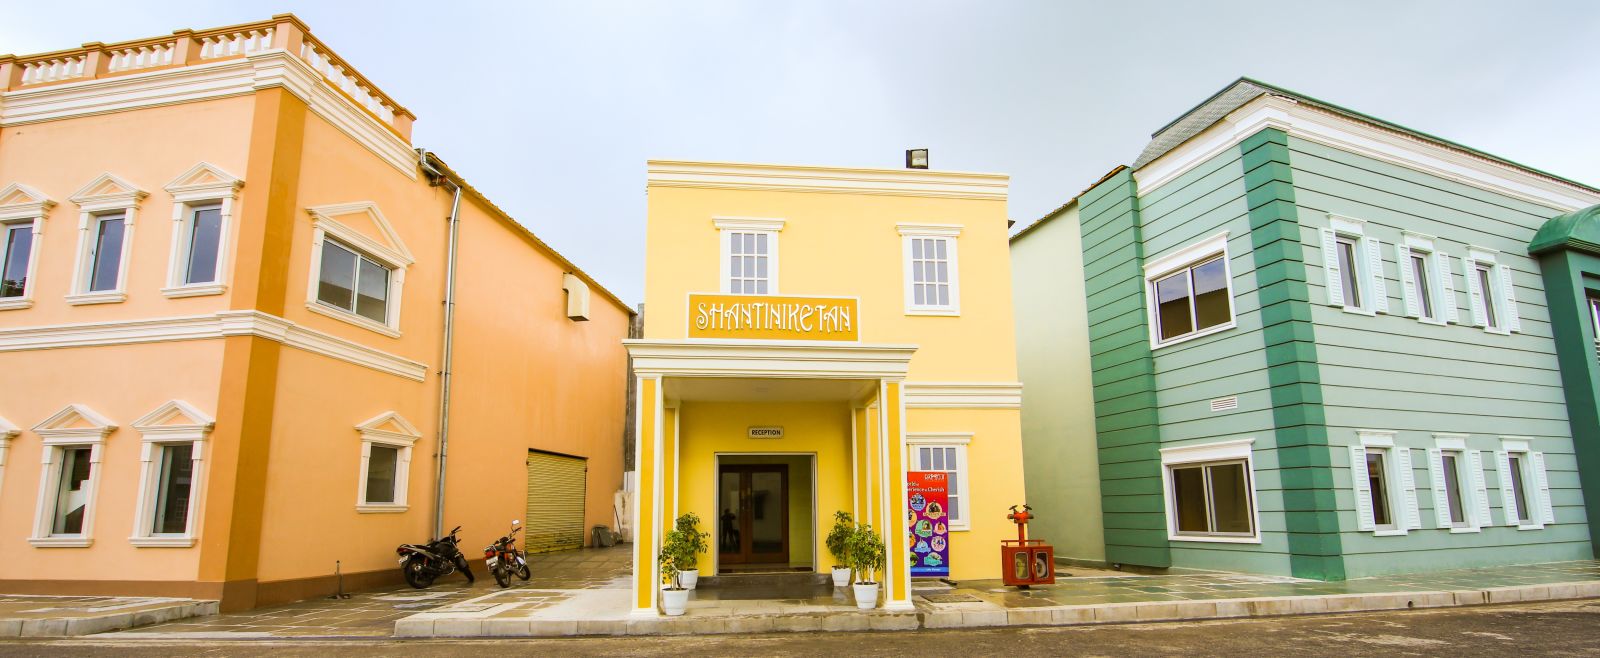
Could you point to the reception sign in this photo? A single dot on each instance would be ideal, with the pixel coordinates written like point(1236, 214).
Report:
point(929, 517)
point(769, 317)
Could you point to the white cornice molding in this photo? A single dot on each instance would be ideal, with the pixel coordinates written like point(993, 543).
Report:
point(1361, 138)
point(774, 359)
point(37, 206)
point(59, 428)
point(192, 185)
point(747, 223)
point(963, 395)
point(127, 195)
point(945, 230)
point(7, 432)
point(324, 217)
point(372, 429)
point(278, 68)
point(202, 327)
point(157, 425)
point(836, 180)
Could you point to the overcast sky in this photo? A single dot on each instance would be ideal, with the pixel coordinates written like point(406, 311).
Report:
point(552, 108)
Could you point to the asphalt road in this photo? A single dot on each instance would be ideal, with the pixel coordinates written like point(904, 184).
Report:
point(1545, 629)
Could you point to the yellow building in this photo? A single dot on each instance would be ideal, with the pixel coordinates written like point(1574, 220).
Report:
point(812, 334)
point(226, 338)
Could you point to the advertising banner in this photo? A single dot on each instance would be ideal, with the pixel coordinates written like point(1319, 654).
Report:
point(929, 519)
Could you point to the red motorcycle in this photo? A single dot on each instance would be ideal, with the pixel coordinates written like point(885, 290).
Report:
point(503, 559)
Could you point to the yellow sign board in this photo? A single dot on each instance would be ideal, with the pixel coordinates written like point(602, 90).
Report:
point(770, 317)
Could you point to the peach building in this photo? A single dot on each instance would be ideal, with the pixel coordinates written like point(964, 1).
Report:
point(243, 322)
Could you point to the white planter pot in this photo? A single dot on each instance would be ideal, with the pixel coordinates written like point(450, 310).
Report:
point(689, 578)
point(841, 576)
point(866, 595)
point(674, 601)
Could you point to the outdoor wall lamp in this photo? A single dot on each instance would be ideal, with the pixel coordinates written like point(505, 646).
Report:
point(917, 159)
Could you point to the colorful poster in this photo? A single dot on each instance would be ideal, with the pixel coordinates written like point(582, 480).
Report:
point(928, 526)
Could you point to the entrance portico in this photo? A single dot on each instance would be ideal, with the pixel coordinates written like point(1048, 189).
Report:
point(725, 414)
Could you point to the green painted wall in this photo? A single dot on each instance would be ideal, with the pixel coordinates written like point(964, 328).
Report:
point(1571, 276)
point(1062, 471)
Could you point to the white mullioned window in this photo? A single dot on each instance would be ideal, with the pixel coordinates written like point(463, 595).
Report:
point(1524, 484)
point(1427, 286)
point(1460, 491)
point(749, 254)
point(1352, 265)
point(1490, 292)
point(22, 214)
point(931, 268)
point(947, 453)
point(355, 277)
point(1190, 292)
point(1384, 484)
point(1210, 492)
point(173, 456)
point(203, 201)
point(108, 209)
point(384, 481)
point(69, 477)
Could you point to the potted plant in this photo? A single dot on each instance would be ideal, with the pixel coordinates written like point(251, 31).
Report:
point(864, 552)
point(674, 597)
point(694, 543)
point(843, 525)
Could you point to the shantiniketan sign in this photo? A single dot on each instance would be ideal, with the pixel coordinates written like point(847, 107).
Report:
point(773, 318)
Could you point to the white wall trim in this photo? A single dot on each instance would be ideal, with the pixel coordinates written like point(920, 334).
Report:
point(202, 185)
point(402, 439)
point(929, 230)
point(200, 327)
point(59, 434)
point(92, 205)
point(837, 180)
point(33, 211)
point(1161, 268)
point(776, 359)
point(1361, 138)
point(963, 395)
point(723, 222)
point(157, 431)
point(1211, 452)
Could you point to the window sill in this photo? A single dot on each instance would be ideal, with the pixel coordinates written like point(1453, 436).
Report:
point(1215, 540)
point(200, 290)
point(945, 312)
point(965, 527)
point(1359, 311)
point(1155, 345)
point(1530, 527)
point(15, 303)
point(1434, 322)
point(381, 509)
point(1497, 332)
point(161, 542)
point(354, 319)
point(1391, 532)
point(1469, 529)
point(109, 297)
point(61, 542)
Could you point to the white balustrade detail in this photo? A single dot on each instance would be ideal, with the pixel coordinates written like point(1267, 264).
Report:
point(337, 76)
point(51, 70)
point(235, 43)
point(141, 57)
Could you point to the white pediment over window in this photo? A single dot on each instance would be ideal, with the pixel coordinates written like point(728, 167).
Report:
point(363, 224)
point(204, 181)
point(175, 418)
point(19, 201)
point(8, 430)
point(389, 425)
point(109, 191)
point(74, 422)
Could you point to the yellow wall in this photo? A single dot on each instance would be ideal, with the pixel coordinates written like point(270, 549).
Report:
point(994, 475)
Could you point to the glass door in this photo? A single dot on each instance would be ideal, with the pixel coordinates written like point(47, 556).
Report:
point(753, 524)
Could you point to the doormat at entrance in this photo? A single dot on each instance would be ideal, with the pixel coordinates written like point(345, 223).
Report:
point(951, 598)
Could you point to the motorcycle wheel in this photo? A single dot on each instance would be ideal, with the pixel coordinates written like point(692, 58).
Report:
point(501, 575)
point(416, 572)
point(523, 571)
point(461, 565)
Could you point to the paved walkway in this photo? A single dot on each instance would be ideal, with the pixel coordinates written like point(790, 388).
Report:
point(24, 615)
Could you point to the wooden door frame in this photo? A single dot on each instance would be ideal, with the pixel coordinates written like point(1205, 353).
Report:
point(746, 554)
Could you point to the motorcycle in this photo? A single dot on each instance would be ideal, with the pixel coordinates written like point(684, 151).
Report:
point(503, 559)
point(422, 563)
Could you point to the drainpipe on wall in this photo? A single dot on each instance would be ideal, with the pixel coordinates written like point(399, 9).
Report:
point(437, 177)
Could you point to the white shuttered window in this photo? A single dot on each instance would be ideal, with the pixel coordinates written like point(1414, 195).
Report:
point(1490, 292)
point(1384, 484)
point(1352, 263)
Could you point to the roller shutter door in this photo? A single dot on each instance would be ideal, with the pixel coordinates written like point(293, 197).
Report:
point(556, 485)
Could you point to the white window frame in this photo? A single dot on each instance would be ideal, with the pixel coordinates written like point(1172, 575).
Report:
point(1440, 288)
point(729, 226)
point(92, 206)
point(1398, 477)
point(158, 432)
point(1368, 255)
point(1535, 483)
point(959, 441)
point(32, 213)
point(215, 188)
point(1501, 294)
point(1208, 453)
point(58, 435)
point(393, 256)
point(372, 433)
point(949, 234)
point(1187, 257)
point(1471, 483)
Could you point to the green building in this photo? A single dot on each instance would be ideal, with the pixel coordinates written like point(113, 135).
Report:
point(1318, 344)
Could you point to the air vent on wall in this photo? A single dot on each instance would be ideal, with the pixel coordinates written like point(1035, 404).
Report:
point(1225, 404)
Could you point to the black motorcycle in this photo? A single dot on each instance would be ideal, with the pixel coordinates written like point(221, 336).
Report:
point(422, 563)
point(502, 558)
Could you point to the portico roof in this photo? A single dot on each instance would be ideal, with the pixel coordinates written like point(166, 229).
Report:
point(769, 359)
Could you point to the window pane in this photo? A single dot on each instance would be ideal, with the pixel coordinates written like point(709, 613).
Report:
point(761, 267)
point(1488, 297)
point(919, 294)
point(1377, 482)
point(1172, 306)
point(1230, 498)
point(1211, 294)
point(1347, 273)
point(172, 498)
point(380, 474)
point(761, 243)
point(761, 287)
point(749, 243)
point(938, 460)
point(107, 254)
point(337, 283)
point(1519, 489)
point(72, 495)
point(944, 295)
point(14, 262)
point(735, 267)
point(941, 244)
point(372, 300)
point(953, 502)
point(1452, 490)
point(1419, 272)
point(916, 249)
point(942, 274)
point(1189, 499)
point(924, 458)
point(205, 237)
